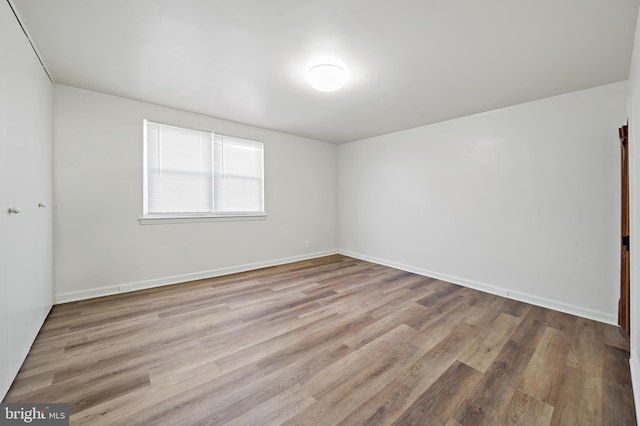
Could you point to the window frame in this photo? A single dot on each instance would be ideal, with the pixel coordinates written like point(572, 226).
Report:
point(193, 217)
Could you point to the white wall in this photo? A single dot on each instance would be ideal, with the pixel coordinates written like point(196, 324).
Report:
point(26, 276)
point(99, 244)
point(634, 195)
point(523, 199)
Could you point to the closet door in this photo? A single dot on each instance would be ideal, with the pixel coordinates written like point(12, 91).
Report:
point(26, 132)
point(5, 378)
point(28, 233)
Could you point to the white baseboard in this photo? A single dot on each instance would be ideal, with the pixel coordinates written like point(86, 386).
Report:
point(158, 282)
point(73, 296)
point(634, 366)
point(522, 297)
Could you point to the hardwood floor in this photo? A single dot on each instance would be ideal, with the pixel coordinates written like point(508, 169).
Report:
point(331, 341)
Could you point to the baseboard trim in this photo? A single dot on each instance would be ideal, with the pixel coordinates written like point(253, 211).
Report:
point(634, 366)
point(74, 296)
point(522, 297)
point(159, 282)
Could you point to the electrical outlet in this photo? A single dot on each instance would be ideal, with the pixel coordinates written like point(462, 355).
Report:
point(307, 243)
point(126, 287)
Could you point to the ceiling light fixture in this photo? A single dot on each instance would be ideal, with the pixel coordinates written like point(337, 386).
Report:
point(327, 77)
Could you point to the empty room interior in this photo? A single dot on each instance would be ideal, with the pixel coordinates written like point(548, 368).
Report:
point(320, 213)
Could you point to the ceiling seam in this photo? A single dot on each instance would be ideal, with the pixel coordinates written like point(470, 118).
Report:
point(33, 47)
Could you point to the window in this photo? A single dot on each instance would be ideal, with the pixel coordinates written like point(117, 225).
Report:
point(195, 173)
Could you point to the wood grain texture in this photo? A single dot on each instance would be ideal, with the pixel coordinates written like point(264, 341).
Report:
point(329, 341)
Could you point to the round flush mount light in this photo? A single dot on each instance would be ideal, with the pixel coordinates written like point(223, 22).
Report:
point(327, 77)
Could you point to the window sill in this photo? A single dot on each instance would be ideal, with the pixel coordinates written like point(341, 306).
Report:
point(160, 220)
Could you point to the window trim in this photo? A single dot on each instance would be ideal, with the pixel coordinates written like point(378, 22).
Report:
point(192, 217)
point(168, 219)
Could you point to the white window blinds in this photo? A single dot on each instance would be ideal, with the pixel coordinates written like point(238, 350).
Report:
point(198, 173)
point(238, 175)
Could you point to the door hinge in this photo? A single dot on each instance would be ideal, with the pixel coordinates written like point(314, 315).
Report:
point(625, 242)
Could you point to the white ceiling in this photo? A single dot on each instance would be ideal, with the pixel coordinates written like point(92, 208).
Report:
point(411, 62)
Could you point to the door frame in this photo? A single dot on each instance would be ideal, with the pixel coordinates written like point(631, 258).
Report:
point(624, 302)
